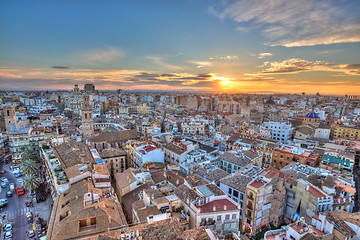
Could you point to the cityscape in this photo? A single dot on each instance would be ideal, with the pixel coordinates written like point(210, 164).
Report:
point(192, 120)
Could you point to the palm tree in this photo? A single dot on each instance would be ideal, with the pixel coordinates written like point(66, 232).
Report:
point(29, 167)
point(28, 153)
point(31, 182)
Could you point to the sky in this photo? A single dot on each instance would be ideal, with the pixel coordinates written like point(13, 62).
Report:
point(257, 46)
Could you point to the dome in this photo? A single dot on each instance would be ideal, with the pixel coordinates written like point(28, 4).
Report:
point(270, 102)
point(312, 115)
point(202, 109)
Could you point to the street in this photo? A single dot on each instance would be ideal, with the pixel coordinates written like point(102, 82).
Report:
point(15, 211)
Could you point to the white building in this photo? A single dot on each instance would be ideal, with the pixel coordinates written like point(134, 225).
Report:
point(148, 153)
point(280, 131)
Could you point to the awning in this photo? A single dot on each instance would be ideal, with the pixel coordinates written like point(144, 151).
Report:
point(165, 207)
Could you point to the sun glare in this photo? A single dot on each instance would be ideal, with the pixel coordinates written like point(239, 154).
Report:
point(225, 82)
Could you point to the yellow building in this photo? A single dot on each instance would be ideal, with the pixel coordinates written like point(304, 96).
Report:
point(144, 110)
point(341, 131)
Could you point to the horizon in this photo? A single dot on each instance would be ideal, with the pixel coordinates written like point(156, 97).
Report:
point(203, 46)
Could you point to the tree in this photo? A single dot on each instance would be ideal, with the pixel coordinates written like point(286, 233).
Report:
point(31, 182)
point(29, 167)
point(28, 153)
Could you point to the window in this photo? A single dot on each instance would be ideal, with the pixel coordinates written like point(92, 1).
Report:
point(227, 216)
point(233, 216)
point(230, 191)
point(218, 218)
point(241, 196)
point(236, 193)
point(280, 162)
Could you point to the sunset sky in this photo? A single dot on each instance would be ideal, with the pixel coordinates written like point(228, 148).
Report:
point(250, 46)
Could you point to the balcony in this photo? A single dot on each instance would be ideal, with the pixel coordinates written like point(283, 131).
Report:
point(249, 206)
point(230, 220)
point(250, 197)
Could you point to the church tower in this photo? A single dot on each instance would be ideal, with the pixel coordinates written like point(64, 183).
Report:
point(87, 120)
point(9, 116)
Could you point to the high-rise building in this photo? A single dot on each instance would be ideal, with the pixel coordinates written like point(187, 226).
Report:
point(87, 120)
point(89, 88)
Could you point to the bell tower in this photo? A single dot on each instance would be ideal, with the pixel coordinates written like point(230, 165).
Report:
point(9, 116)
point(87, 120)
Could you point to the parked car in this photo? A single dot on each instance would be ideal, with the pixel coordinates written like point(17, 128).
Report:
point(12, 187)
point(3, 202)
point(8, 227)
point(3, 184)
point(9, 193)
point(18, 174)
point(2, 171)
point(31, 233)
point(8, 235)
point(4, 179)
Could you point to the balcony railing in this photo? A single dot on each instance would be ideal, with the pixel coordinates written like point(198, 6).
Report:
point(250, 197)
point(249, 207)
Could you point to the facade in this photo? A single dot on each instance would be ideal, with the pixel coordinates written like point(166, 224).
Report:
point(147, 153)
point(344, 131)
point(310, 200)
point(280, 131)
point(114, 159)
point(286, 155)
point(9, 116)
point(264, 202)
point(194, 128)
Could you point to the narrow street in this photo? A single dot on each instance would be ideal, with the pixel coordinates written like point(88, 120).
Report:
point(16, 209)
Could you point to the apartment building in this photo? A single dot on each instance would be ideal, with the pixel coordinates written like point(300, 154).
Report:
point(283, 156)
point(194, 128)
point(233, 161)
point(280, 131)
point(264, 202)
point(207, 205)
point(310, 200)
point(84, 210)
point(345, 131)
point(148, 153)
point(26, 136)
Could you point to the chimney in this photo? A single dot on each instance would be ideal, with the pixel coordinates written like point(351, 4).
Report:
point(225, 208)
point(76, 197)
point(214, 208)
point(150, 219)
point(109, 220)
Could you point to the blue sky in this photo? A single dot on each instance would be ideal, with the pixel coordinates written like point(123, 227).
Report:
point(245, 46)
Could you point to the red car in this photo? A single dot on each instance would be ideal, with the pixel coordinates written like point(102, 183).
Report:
point(2, 171)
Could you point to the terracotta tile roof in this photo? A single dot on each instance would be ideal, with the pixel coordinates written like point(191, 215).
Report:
point(315, 192)
point(257, 184)
point(113, 137)
point(221, 205)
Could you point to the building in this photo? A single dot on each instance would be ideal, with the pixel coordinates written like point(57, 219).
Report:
point(87, 121)
point(310, 200)
point(280, 131)
point(84, 210)
point(345, 131)
point(286, 155)
point(264, 202)
point(114, 159)
point(89, 88)
point(9, 116)
point(147, 153)
point(193, 128)
point(143, 110)
point(207, 205)
point(231, 161)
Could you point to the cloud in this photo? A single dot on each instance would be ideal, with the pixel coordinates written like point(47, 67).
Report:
point(262, 55)
point(296, 65)
point(160, 61)
point(297, 23)
point(60, 67)
point(102, 55)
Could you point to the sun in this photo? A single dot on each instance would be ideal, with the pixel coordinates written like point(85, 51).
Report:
point(225, 82)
